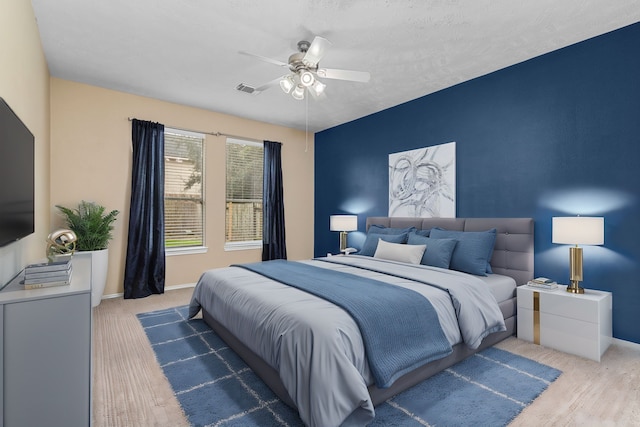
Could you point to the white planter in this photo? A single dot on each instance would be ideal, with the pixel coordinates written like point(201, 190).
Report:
point(95, 263)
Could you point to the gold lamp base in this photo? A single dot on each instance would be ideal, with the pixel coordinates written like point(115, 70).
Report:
point(574, 288)
point(343, 241)
point(575, 267)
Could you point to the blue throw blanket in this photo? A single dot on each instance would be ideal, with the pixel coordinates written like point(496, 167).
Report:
point(399, 327)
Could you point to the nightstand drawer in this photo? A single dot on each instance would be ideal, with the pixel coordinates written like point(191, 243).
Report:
point(585, 307)
point(570, 335)
point(572, 307)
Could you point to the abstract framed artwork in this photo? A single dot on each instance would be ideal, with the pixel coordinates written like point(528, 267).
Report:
point(422, 182)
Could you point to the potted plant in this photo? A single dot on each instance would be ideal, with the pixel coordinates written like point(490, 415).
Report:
point(92, 226)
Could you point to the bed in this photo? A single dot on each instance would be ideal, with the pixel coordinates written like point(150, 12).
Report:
point(309, 351)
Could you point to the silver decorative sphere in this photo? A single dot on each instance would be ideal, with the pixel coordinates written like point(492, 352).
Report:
point(61, 242)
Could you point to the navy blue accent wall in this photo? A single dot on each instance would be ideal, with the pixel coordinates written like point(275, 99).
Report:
point(557, 135)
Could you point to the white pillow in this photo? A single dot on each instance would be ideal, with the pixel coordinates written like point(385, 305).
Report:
point(411, 254)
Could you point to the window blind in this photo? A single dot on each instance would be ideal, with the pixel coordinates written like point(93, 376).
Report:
point(183, 191)
point(244, 177)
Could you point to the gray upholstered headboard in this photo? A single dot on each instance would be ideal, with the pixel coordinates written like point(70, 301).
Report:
point(512, 253)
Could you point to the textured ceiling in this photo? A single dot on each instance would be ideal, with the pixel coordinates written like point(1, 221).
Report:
point(187, 51)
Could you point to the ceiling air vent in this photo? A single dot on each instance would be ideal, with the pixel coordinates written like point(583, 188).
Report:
point(245, 88)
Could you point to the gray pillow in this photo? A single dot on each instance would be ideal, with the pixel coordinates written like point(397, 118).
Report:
point(438, 252)
point(371, 242)
point(473, 250)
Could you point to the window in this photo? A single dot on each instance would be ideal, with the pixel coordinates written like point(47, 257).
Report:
point(183, 189)
point(243, 218)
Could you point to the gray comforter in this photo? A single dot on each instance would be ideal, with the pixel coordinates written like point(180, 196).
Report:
point(316, 346)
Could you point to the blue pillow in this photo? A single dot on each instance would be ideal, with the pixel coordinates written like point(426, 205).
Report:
point(380, 229)
point(371, 242)
point(473, 250)
point(438, 252)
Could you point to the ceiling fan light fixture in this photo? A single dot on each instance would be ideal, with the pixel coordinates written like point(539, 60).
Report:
point(304, 72)
point(286, 84)
point(298, 93)
point(307, 79)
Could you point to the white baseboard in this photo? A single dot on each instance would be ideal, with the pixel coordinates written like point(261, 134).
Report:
point(167, 288)
point(627, 344)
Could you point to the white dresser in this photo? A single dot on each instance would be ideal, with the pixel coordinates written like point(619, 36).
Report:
point(579, 324)
point(45, 353)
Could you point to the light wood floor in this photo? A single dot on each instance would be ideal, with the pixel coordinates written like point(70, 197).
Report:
point(130, 390)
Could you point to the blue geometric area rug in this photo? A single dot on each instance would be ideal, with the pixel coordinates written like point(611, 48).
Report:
point(216, 388)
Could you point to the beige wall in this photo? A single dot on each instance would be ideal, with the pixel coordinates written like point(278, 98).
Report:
point(24, 85)
point(91, 160)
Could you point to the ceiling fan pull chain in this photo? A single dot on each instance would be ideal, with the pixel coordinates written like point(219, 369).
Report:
point(306, 125)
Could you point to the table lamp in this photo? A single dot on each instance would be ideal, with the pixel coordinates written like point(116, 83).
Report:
point(577, 230)
point(343, 224)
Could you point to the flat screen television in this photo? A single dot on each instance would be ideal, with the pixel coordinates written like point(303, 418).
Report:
point(16, 177)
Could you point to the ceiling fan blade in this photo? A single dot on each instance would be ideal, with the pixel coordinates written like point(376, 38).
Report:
point(316, 51)
point(264, 58)
point(268, 85)
point(354, 76)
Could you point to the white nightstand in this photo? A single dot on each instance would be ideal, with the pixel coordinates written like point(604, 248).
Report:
point(579, 324)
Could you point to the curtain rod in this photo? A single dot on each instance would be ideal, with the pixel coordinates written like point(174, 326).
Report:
point(207, 133)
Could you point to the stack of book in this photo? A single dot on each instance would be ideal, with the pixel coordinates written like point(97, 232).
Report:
point(47, 274)
point(543, 282)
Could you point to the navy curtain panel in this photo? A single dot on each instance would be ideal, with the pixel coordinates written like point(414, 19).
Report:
point(273, 236)
point(144, 272)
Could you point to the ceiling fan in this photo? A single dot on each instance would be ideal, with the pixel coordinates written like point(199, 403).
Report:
point(305, 71)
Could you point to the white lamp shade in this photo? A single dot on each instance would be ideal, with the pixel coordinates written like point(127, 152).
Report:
point(578, 230)
point(286, 83)
point(298, 93)
point(306, 78)
point(318, 87)
point(343, 222)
